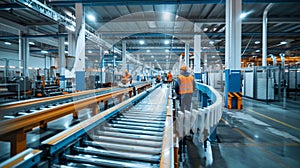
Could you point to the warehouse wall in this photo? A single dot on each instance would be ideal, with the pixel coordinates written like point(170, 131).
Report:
point(34, 62)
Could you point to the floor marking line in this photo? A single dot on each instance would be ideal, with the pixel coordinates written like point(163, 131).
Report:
point(272, 156)
point(273, 119)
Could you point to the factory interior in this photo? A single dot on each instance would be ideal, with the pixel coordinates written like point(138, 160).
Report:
point(104, 83)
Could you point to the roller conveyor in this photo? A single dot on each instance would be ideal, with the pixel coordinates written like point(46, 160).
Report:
point(123, 139)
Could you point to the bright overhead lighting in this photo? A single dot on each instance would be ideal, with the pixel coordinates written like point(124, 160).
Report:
point(211, 42)
point(116, 56)
point(257, 42)
point(31, 43)
point(245, 14)
point(166, 16)
point(215, 29)
point(106, 52)
point(91, 17)
point(167, 42)
point(257, 51)
point(205, 29)
point(66, 43)
point(148, 51)
point(152, 56)
point(89, 51)
point(167, 50)
point(44, 52)
point(7, 43)
point(96, 60)
point(213, 56)
point(283, 42)
point(66, 52)
point(155, 60)
point(167, 56)
point(142, 42)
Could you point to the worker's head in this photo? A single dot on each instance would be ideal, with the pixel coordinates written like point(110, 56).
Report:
point(126, 72)
point(184, 68)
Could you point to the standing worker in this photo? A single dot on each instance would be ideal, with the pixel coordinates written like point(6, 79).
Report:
point(184, 87)
point(169, 77)
point(126, 78)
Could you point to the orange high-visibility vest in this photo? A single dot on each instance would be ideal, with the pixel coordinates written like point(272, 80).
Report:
point(169, 77)
point(185, 84)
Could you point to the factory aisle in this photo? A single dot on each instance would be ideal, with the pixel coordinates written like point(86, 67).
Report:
point(260, 135)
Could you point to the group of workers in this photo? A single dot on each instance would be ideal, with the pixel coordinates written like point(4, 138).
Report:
point(184, 85)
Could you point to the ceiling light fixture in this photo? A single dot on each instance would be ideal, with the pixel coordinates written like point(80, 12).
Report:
point(211, 42)
point(142, 42)
point(166, 16)
point(91, 17)
point(257, 51)
point(148, 51)
point(7, 43)
point(167, 50)
point(44, 52)
point(205, 29)
point(257, 42)
point(152, 56)
point(66, 43)
point(167, 42)
point(283, 42)
point(31, 43)
point(89, 51)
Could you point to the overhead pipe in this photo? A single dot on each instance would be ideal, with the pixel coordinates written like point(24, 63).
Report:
point(264, 34)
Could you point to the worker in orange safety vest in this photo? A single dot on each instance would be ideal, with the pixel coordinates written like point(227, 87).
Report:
point(126, 77)
point(169, 77)
point(184, 87)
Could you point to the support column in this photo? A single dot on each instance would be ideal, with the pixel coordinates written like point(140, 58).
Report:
point(264, 35)
point(197, 54)
point(80, 47)
point(61, 58)
point(187, 54)
point(123, 55)
point(24, 53)
point(233, 53)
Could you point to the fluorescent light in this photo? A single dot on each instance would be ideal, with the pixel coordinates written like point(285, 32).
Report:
point(167, 50)
point(257, 51)
point(213, 56)
point(257, 42)
point(142, 42)
point(66, 43)
point(215, 29)
point(243, 15)
point(283, 42)
point(91, 17)
point(89, 51)
point(116, 56)
point(205, 29)
point(31, 43)
point(211, 42)
point(66, 52)
point(96, 61)
point(167, 42)
point(155, 60)
point(152, 56)
point(106, 52)
point(7, 43)
point(44, 52)
point(167, 56)
point(148, 51)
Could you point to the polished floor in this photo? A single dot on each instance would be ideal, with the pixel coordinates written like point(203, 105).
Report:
point(259, 135)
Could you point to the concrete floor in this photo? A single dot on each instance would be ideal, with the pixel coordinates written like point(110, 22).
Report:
point(259, 135)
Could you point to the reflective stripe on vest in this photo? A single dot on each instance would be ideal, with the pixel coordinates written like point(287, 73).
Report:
point(185, 84)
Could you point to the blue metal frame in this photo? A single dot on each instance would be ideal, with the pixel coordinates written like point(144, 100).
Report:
point(232, 83)
point(33, 159)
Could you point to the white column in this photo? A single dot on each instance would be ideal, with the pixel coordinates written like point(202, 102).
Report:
point(24, 53)
point(197, 51)
point(264, 34)
point(61, 53)
point(80, 47)
point(233, 34)
point(187, 54)
point(123, 55)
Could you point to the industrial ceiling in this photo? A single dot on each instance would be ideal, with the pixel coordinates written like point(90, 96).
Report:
point(164, 27)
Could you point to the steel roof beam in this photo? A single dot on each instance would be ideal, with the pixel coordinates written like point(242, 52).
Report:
point(156, 2)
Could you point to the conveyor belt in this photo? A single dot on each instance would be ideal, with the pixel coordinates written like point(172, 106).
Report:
point(131, 138)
